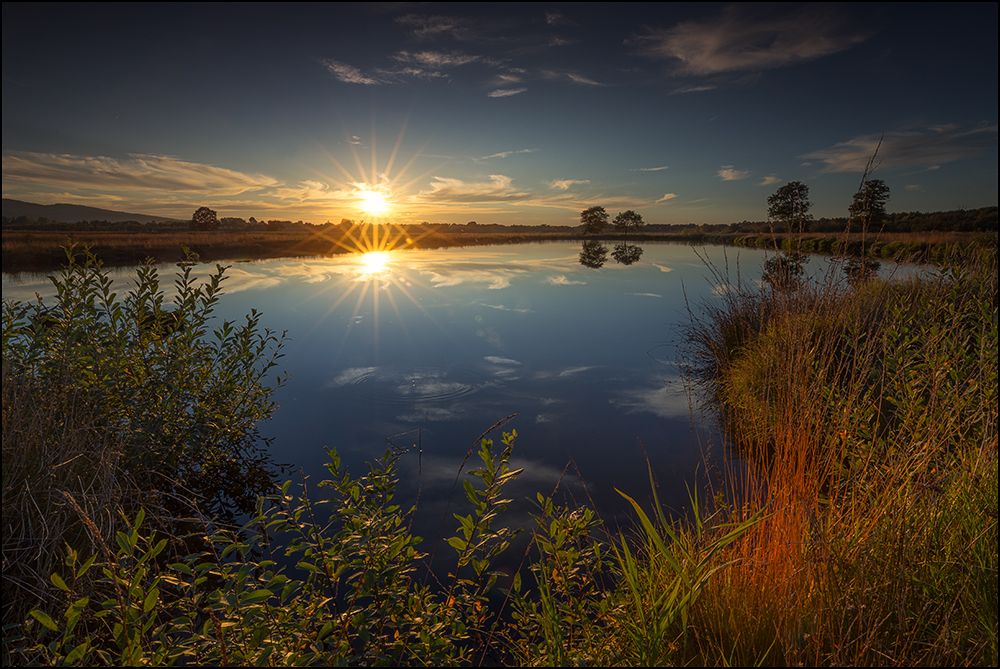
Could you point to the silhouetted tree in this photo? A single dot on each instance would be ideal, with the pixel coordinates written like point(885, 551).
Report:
point(204, 219)
point(790, 206)
point(868, 208)
point(594, 220)
point(629, 220)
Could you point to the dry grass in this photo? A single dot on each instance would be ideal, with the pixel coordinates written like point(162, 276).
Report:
point(57, 452)
point(868, 419)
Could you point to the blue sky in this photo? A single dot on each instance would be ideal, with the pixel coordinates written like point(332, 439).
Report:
point(506, 113)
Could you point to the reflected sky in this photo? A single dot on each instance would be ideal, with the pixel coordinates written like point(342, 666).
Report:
point(438, 345)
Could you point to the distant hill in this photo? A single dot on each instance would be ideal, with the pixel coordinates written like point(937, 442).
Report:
point(73, 213)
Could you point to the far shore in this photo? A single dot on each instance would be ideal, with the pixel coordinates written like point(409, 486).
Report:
point(28, 250)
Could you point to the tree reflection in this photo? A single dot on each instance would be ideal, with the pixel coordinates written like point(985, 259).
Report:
point(625, 254)
point(594, 254)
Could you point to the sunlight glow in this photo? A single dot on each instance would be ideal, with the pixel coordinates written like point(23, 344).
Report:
point(373, 202)
point(374, 264)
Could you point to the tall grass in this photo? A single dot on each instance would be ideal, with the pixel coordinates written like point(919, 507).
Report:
point(868, 414)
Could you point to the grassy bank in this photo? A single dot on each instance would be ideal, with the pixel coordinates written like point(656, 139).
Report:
point(862, 528)
point(869, 414)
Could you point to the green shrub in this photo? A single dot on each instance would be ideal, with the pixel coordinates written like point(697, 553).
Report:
point(114, 401)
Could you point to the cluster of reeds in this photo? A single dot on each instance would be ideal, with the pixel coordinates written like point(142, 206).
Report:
point(865, 417)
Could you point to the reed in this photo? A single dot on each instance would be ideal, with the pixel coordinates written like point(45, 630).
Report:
point(866, 416)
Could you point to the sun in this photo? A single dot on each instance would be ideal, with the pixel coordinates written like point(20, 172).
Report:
point(373, 203)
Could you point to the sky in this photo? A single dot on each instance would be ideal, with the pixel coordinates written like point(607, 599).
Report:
point(520, 114)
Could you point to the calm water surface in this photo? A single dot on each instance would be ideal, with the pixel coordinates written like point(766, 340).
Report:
point(432, 347)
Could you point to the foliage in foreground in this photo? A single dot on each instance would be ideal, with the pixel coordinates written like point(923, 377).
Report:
point(116, 401)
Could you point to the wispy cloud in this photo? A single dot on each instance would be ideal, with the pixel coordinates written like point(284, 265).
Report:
point(933, 146)
point(438, 59)
point(693, 89)
point(138, 172)
point(505, 92)
point(912, 187)
point(350, 74)
point(557, 19)
point(667, 196)
point(504, 154)
point(727, 173)
point(770, 180)
point(564, 184)
point(650, 169)
point(497, 189)
point(740, 41)
point(435, 27)
point(570, 76)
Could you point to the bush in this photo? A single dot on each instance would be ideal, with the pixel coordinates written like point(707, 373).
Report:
point(112, 401)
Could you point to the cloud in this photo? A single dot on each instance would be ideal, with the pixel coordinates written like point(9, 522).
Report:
point(505, 92)
point(575, 78)
point(770, 181)
point(666, 196)
point(645, 294)
point(436, 58)
point(729, 174)
point(737, 41)
point(138, 172)
point(650, 169)
point(497, 189)
point(663, 268)
point(564, 184)
point(434, 27)
point(504, 154)
point(350, 74)
point(557, 19)
point(930, 147)
point(912, 187)
point(693, 89)
point(578, 79)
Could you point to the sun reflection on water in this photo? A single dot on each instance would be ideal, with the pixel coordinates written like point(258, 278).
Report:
point(374, 264)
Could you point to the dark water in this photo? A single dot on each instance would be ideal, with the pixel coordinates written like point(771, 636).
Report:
point(431, 348)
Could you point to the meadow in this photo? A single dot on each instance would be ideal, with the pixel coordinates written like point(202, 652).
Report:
point(862, 529)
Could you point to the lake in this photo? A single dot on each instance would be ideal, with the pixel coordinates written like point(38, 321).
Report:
point(429, 348)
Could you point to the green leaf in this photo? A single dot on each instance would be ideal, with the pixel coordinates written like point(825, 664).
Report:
point(256, 596)
point(152, 597)
point(44, 619)
point(77, 653)
point(85, 567)
point(58, 582)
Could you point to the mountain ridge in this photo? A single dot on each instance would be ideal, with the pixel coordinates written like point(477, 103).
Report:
point(73, 213)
